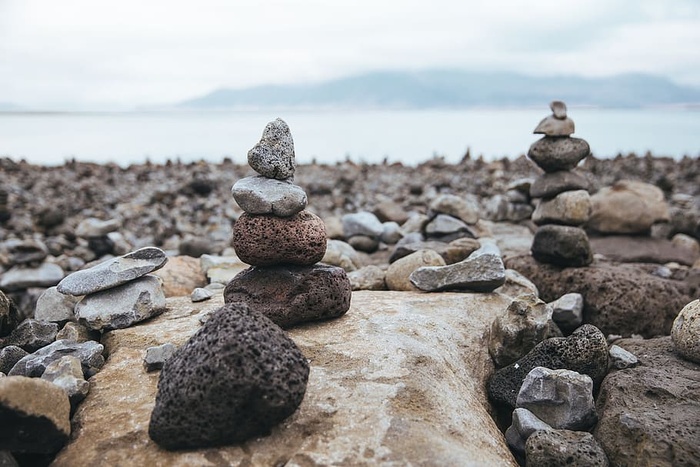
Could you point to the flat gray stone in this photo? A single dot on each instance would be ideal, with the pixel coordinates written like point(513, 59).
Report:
point(480, 273)
point(562, 245)
point(24, 277)
point(54, 306)
point(91, 227)
point(113, 272)
point(26, 251)
point(31, 335)
point(362, 223)
point(33, 365)
point(273, 156)
point(551, 184)
point(262, 195)
point(567, 208)
point(558, 109)
point(455, 206)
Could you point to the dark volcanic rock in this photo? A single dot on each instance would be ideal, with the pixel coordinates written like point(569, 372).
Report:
point(31, 335)
point(552, 154)
point(618, 299)
point(9, 315)
point(236, 378)
point(9, 356)
point(649, 414)
point(290, 295)
point(548, 185)
point(563, 245)
point(269, 240)
point(555, 448)
point(584, 351)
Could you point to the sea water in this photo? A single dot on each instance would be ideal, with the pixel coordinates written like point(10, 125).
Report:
point(330, 136)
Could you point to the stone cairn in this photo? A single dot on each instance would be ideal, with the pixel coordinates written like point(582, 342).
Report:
point(565, 204)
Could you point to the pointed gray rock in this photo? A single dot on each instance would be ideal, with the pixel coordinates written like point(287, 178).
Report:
point(200, 294)
point(67, 373)
point(33, 365)
point(31, 335)
point(478, 273)
point(552, 126)
point(524, 424)
point(262, 195)
point(558, 109)
point(113, 272)
point(273, 156)
point(567, 311)
point(621, 358)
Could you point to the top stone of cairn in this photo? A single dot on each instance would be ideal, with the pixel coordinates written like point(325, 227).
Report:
point(557, 124)
point(273, 156)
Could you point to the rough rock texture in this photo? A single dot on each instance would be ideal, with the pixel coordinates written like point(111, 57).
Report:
point(584, 351)
point(649, 414)
point(562, 245)
point(75, 332)
point(567, 311)
point(568, 208)
point(455, 206)
point(627, 207)
point(33, 415)
point(524, 424)
point(24, 277)
point(621, 358)
point(290, 295)
point(9, 315)
point(55, 306)
point(269, 240)
point(67, 373)
point(551, 184)
point(235, 379)
point(9, 356)
point(339, 253)
point(181, 275)
point(273, 156)
point(89, 353)
point(685, 332)
point(113, 272)
point(555, 448)
point(31, 335)
point(368, 278)
point(611, 295)
point(552, 154)
point(412, 393)
point(478, 273)
point(156, 356)
point(399, 272)
point(640, 249)
point(261, 195)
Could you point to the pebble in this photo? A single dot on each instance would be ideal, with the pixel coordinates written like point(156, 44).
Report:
point(391, 233)
point(34, 415)
point(195, 247)
point(34, 364)
point(114, 272)
point(561, 398)
point(91, 227)
point(564, 447)
point(584, 351)
point(524, 424)
point(453, 252)
point(455, 206)
point(399, 272)
point(685, 332)
point(499, 208)
point(200, 294)
point(364, 243)
point(686, 242)
point(235, 379)
point(567, 311)
point(268, 240)
point(54, 306)
point(516, 284)
point(156, 356)
point(552, 154)
point(477, 273)
point(341, 254)
point(548, 185)
point(67, 373)
point(558, 109)
point(74, 332)
point(261, 195)
point(31, 335)
point(368, 278)
point(621, 359)
point(562, 245)
point(273, 156)
point(9, 356)
point(443, 225)
point(627, 207)
point(26, 251)
point(290, 295)
point(567, 208)
point(362, 223)
point(390, 211)
point(24, 277)
point(552, 126)
point(122, 306)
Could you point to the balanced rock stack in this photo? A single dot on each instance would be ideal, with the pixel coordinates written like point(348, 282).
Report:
point(565, 204)
point(282, 241)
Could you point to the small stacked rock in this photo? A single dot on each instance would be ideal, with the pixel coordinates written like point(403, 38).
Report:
point(282, 241)
point(565, 204)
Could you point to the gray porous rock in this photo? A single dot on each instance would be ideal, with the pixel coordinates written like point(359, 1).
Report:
point(262, 195)
point(584, 351)
point(157, 356)
point(567, 311)
point(54, 306)
point(561, 398)
point(31, 335)
point(273, 156)
point(548, 185)
point(122, 306)
point(34, 416)
point(265, 240)
point(67, 373)
point(686, 332)
point(113, 272)
point(34, 364)
point(555, 448)
point(562, 245)
point(480, 272)
point(290, 295)
point(235, 379)
point(24, 277)
point(362, 223)
point(9, 356)
point(523, 425)
point(554, 153)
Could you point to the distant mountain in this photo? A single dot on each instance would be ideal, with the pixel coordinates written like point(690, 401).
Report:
point(455, 89)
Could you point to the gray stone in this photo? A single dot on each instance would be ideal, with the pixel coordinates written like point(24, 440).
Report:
point(554, 153)
point(235, 379)
point(455, 206)
point(26, 251)
point(444, 224)
point(478, 273)
point(9, 315)
point(524, 424)
point(67, 373)
point(554, 448)
point(452, 252)
point(89, 353)
point(341, 254)
point(362, 223)
point(262, 195)
point(31, 335)
point(548, 185)
point(91, 227)
point(499, 208)
point(584, 351)
point(200, 294)
point(157, 356)
point(24, 277)
point(562, 245)
point(9, 356)
point(364, 243)
point(273, 156)
point(54, 306)
point(7, 460)
point(368, 278)
point(567, 311)
point(552, 126)
point(561, 398)
point(122, 306)
point(567, 208)
point(195, 247)
point(398, 275)
point(74, 332)
point(391, 234)
point(685, 332)
point(516, 284)
point(621, 359)
point(558, 109)
point(523, 325)
point(113, 272)
point(627, 207)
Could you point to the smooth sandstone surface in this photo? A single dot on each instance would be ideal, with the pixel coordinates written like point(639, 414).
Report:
point(399, 380)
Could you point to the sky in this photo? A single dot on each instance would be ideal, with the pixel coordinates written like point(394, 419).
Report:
point(97, 54)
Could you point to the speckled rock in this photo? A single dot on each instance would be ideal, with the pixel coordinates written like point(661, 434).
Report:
point(685, 332)
point(34, 364)
point(54, 306)
point(455, 206)
point(235, 379)
point(34, 415)
point(480, 272)
point(31, 335)
point(628, 206)
point(584, 351)
point(24, 277)
point(290, 295)
point(552, 153)
point(67, 374)
point(9, 356)
point(273, 156)
point(262, 195)
point(568, 208)
point(562, 245)
point(516, 284)
point(268, 240)
point(548, 185)
point(554, 448)
point(113, 272)
point(399, 272)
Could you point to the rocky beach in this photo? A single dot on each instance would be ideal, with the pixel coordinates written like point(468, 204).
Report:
point(502, 312)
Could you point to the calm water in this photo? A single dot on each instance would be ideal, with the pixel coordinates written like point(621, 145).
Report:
point(329, 136)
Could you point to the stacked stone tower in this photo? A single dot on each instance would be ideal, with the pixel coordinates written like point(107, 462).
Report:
point(564, 204)
point(282, 241)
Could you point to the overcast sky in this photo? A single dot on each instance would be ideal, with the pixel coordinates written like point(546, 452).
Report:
point(119, 54)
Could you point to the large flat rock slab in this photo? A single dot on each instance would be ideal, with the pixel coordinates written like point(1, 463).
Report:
point(399, 380)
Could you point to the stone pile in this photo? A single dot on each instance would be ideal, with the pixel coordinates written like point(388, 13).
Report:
point(282, 241)
point(565, 204)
